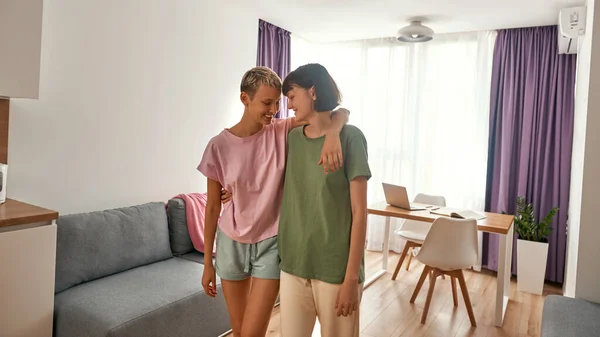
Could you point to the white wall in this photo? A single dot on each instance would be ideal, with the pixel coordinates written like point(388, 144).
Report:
point(583, 270)
point(130, 93)
point(302, 51)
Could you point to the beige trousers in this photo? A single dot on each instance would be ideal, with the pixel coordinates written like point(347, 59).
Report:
point(302, 301)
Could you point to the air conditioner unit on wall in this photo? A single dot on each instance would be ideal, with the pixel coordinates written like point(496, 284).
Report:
point(571, 27)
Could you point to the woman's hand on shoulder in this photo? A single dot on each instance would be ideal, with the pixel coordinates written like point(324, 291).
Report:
point(331, 154)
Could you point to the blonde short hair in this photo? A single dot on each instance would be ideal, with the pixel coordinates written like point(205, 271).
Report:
point(258, 76)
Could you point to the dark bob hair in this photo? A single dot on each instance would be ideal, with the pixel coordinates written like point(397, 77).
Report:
point(314, 74)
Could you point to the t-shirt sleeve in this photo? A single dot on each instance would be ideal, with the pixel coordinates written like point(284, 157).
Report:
point(282, 129)
point(356, 162)
point(210, 165)
point(284, 124)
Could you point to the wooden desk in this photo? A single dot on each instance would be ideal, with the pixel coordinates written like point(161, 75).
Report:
point(501, 224)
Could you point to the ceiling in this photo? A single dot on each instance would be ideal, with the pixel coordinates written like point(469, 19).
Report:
point(337, 20)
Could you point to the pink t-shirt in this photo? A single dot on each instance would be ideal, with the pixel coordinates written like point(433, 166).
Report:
point(252, 169)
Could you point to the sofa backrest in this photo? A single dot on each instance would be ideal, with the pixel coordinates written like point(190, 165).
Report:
point(98, 244)
point(181, 243)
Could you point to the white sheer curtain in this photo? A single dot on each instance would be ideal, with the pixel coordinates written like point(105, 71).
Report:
point(424, 110)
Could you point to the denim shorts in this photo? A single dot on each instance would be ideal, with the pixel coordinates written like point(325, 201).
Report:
point(236, 261)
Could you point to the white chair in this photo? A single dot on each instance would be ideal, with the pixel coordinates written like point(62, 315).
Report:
point(450, 246)
point(414, 232)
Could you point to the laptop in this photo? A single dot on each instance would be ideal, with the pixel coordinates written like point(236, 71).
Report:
point(396, 196)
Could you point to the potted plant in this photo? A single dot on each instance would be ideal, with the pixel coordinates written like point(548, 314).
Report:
point(532, 247)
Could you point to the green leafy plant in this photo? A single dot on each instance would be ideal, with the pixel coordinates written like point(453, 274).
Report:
point(526, 226)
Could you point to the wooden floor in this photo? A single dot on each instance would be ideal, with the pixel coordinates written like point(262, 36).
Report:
point(386, 311)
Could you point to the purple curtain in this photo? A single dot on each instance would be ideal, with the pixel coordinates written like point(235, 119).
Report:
point(531, 132)
point(274, 52)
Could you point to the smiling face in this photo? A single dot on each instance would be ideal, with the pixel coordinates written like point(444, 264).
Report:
point(263, 105)
point(301, 101)
point(311, 89)
point(261, 94)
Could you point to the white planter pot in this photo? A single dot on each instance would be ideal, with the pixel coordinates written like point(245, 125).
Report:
point(531, 266)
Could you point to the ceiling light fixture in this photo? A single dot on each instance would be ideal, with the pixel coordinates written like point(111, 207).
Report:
point(415, 32)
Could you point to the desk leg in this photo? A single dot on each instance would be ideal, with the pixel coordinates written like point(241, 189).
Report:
point(504, 273)
point(385, 252)
point(477, 267)
point(386, 244)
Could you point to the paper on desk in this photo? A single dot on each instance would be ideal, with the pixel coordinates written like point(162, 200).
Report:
point(462, 214)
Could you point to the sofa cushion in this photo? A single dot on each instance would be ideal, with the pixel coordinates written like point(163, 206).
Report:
point(181, 243)
point(195, 256)
point(161, 299)
point(98, 244)
point(564, 316)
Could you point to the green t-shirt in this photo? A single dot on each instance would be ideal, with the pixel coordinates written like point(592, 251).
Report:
point(316, 212)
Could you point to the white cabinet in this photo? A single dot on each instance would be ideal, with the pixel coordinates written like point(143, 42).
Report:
point(27, 269)
point(20, 47)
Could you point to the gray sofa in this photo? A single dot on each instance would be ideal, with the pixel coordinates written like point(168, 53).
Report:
point(570, 317)
point(130, 272)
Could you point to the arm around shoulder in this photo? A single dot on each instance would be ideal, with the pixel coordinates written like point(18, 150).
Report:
point(340, 117)
point(331, 154)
